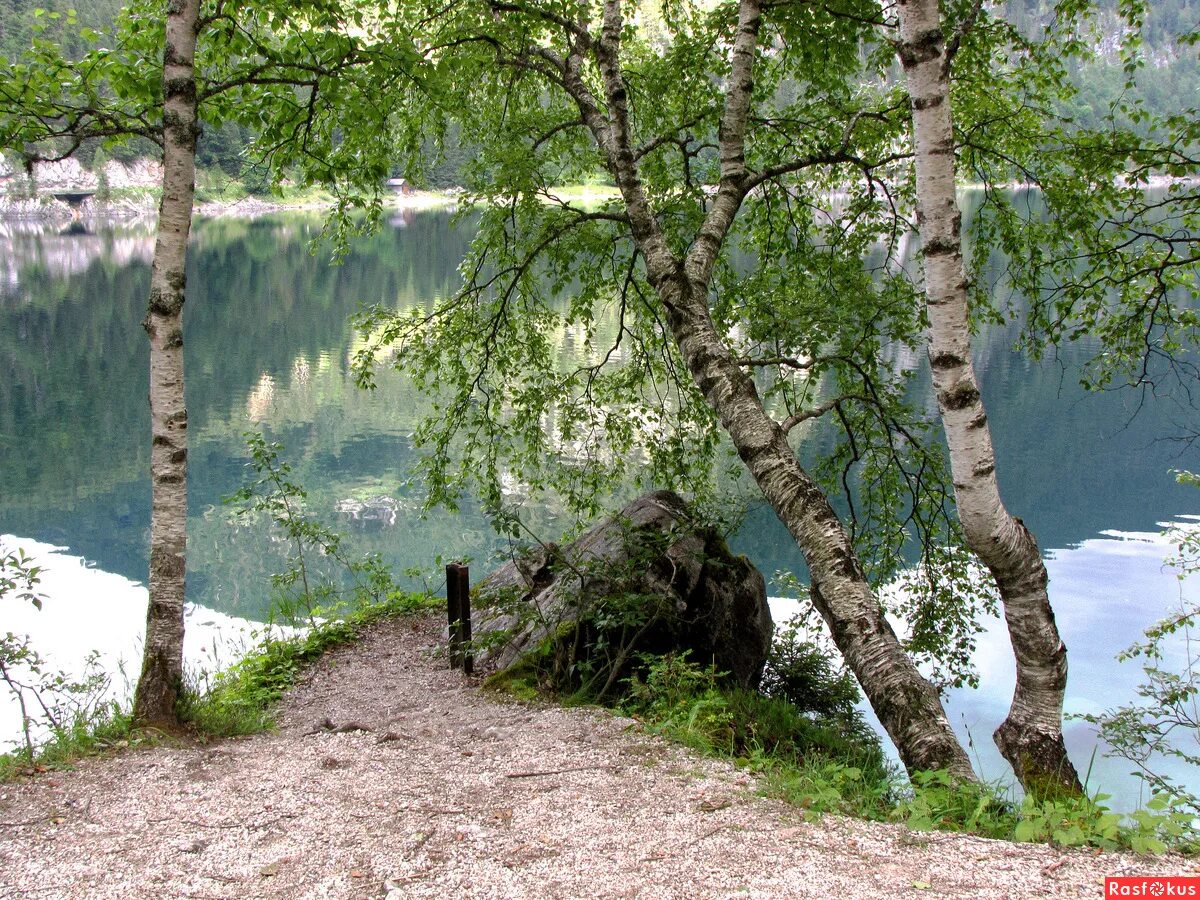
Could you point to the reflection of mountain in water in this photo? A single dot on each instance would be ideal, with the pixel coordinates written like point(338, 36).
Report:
point(268, 342)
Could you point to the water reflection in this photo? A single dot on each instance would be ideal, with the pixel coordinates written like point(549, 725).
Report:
point(89, 610)
point(32, 250)
point(269, 346)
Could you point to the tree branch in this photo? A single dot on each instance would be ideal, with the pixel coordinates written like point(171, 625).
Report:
point(702, 255)
point(789, 361)
point(815, 413)
point(560, 127)
point(956, 39)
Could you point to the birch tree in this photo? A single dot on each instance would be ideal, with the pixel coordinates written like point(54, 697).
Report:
point(48, 108)
point(906, 703)
point(1030, 738)
point(162, 661)
point(50, 105)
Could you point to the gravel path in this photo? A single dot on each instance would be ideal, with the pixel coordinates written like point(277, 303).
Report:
point(448, 792)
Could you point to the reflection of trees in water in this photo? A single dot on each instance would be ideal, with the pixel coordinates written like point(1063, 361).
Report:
point(265, 311)
point(363, 494)
point(72, 402)
point(36, 250)
point(73, 426)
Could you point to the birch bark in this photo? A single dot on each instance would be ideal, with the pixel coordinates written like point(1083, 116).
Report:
point(906, 703)
point(1031, 736)
point(162, 664)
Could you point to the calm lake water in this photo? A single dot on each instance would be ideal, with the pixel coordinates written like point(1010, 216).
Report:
point(269, 345)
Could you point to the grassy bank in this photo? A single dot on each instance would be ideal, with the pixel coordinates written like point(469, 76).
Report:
point(820, 763)
point(240, 700)
point(218, 188)
point(821, 767)
point(828, 763)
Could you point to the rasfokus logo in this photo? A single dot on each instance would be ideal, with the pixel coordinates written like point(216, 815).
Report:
point(1153, 887)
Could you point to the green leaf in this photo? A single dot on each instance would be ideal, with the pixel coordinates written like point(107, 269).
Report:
point(1027, 830)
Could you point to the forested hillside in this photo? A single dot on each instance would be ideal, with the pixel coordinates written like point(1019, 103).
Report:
point(221, 151)
point(1167, 82)
point(60, 21)
point(73, 25)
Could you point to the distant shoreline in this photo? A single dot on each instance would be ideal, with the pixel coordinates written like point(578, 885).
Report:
point(126, 208)
point(145, 204)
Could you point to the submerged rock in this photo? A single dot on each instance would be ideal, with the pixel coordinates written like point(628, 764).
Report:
point(646, 580)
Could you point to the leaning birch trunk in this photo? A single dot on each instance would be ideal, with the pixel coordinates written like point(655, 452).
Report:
point(906, 703)
point(162, 664)
point(1031, 737)
point(908, 706)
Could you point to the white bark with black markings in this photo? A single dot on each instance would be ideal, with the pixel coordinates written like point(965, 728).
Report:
point(162, 664)
point(907, 704)
point(1031, 737)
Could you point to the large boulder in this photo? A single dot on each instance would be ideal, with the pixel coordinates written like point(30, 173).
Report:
point(646, 580)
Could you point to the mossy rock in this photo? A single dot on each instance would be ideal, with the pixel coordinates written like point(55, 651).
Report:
point(648, 580)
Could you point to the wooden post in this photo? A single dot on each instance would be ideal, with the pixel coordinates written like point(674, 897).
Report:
point(453, 613)
point(465, 657)
point(458, 612)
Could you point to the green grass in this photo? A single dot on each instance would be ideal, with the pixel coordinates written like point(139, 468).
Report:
point(584, 193)
point(935, 802)
point(519, 681)
point(110, 728)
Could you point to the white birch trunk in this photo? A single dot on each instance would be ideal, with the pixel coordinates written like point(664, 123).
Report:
point(1031, 737)
point(162, 664)
point(907, 704)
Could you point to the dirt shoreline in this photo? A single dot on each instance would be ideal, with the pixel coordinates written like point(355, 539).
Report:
point(391, 777)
